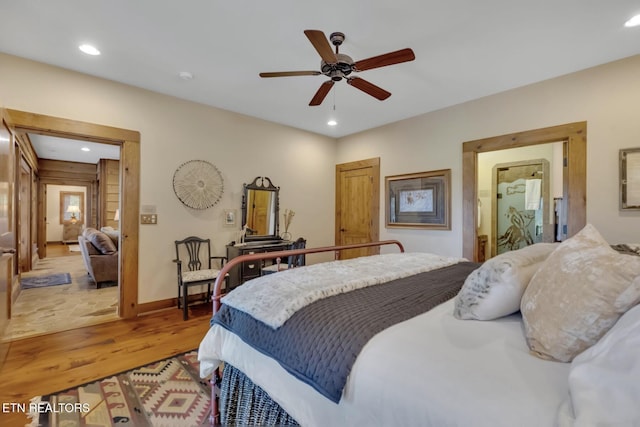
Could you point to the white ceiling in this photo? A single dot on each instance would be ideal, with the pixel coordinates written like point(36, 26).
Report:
point(54, 148)
point(465, 49)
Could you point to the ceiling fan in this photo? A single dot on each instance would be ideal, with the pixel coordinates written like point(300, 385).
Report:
point(338, 66)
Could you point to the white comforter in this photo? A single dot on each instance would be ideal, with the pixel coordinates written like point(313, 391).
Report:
point(432, 370)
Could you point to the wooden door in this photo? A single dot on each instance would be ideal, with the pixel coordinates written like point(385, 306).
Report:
point(357, 205)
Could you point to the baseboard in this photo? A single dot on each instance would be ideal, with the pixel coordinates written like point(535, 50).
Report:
point(148, 307)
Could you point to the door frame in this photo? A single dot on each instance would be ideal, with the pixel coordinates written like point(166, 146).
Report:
point(129, 142)
point(574, 184)
point(25, 211)
point(373, 163)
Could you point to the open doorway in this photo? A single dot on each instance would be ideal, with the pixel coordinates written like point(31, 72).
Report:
point(24, 123)
point(574, 178)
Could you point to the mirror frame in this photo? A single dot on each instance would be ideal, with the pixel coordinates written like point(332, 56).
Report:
point(260, 184)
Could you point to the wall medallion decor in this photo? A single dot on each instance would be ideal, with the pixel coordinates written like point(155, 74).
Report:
point(198, 184)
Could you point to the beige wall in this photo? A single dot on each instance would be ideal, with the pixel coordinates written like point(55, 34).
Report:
point(302, 163)
point(172, 132)
point(605, 96)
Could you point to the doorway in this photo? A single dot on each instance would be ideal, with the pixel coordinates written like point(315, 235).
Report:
point(129, 172)
point(574, 173)
point(358, 206)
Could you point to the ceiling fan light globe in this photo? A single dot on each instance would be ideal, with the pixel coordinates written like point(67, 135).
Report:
point(336, 75)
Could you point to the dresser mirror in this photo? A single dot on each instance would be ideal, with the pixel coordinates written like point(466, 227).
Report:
point(260, 210)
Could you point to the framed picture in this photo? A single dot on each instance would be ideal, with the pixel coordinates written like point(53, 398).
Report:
point(229, 217)
point(630, 179)
point(419, 200)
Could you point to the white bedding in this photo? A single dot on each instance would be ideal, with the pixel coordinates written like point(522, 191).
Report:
point(432, 370)
point(272, 299)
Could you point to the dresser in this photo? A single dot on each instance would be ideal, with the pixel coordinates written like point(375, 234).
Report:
point(248, 270)
point(71, 231)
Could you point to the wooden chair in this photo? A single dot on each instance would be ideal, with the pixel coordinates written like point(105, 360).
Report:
point(195, 254)
point(293, 261)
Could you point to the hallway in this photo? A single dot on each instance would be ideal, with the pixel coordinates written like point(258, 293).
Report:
point(52, 309)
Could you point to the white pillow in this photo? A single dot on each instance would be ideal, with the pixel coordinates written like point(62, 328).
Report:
point(494, 290)
point(577, 295)
point(604, 380)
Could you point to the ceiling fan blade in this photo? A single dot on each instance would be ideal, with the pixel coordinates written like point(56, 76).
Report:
point(290, 73)
point(321, 93)
point(402, 55)
point(320, 42)
point(369, 88)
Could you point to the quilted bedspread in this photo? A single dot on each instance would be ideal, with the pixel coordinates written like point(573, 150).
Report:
point(320, 342)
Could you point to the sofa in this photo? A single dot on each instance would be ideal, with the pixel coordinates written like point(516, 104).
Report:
point(100, 254)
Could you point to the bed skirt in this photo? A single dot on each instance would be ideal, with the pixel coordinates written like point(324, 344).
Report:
point(242, 403)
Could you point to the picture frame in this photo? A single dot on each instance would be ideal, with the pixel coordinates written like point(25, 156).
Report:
point(630, 179)
point(419, 200)
point(230, 217)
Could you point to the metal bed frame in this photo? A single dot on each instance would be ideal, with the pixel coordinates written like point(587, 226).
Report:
point(217, 288)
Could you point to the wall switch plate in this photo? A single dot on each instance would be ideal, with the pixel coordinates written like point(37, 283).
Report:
point(149, 219)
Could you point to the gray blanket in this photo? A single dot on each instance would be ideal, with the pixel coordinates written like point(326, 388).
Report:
point(320, 343)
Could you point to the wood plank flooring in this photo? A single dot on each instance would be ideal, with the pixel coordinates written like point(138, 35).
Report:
point(50, 363)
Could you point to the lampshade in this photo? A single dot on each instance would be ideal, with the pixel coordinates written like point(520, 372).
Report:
point(73, 209)
point(116, 217)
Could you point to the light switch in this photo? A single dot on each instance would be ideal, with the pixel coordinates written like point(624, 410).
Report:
point(148, 218)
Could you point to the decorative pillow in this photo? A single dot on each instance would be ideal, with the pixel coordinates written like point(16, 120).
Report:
point(604, 380)
point(102, 242)
point(494, 290)
point(112, 233)
point(577, 295)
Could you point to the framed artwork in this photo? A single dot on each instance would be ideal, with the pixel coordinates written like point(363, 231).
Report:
point(419, 200)
point(630, 179)
point(230, 217)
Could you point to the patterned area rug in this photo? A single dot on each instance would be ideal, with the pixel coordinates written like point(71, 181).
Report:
point(46, 280)
point(165, 393)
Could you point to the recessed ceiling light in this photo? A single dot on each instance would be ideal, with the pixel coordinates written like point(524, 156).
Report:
point(633, 22)
point(85, 149)
point(89, 50)
point(185, 75)
point(332, 123)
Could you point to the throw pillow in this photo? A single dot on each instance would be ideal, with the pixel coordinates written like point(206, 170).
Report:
point(494, 290)
point(112, 233)
point(577, 295)
point(102, 242)
point(604, 380)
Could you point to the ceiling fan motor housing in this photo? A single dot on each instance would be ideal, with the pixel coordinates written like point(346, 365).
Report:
point(338, 70)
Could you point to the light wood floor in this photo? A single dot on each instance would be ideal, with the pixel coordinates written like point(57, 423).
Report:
point(51, 309)
point(50, 363)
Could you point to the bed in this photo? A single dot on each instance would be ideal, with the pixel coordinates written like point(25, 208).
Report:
point(470, 357)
